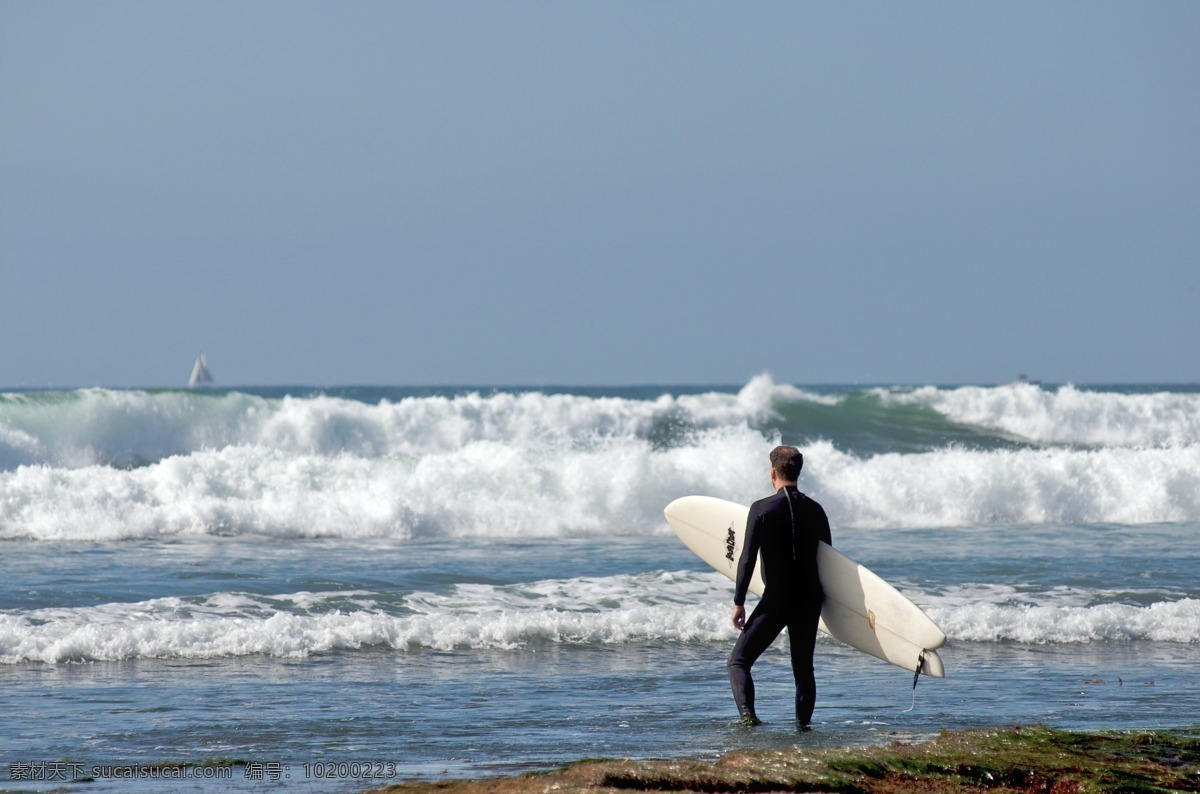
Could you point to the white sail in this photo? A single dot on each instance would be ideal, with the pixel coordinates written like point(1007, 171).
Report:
point(200, 373)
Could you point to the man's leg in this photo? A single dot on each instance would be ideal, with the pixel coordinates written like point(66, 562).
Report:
point(802, 635)
point(761, 630)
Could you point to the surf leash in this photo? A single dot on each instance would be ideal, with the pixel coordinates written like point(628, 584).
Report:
point(916, 678)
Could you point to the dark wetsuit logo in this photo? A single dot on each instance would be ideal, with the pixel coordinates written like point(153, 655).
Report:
point(730, 542)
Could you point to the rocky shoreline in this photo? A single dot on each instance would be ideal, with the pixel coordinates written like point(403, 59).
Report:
point(1014, 759)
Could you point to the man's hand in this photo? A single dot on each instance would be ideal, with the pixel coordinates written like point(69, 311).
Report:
point(739, 617)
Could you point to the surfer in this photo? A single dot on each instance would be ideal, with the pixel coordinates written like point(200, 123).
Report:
point(785, 527)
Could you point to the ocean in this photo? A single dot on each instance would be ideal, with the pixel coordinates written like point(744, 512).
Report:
point(332, 589)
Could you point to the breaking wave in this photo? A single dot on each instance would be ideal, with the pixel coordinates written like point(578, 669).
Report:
point(104, 465)
point(680, 607)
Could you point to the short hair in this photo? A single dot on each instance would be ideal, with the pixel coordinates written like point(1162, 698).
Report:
point(787, 462)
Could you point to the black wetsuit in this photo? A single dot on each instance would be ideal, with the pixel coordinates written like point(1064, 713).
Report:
point(787, 538)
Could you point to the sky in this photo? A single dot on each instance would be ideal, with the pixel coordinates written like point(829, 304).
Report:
point(598, 193)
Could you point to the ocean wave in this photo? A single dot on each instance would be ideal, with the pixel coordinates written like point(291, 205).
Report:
point(483, 489)
point(961, 487)
point(491, 489)
point(663, 606)
point(1066, 414)
point(678, 607)
point(133, 428)
point(128, 429)
point(1165, 621)
point(100, 464)
point(1061, 614)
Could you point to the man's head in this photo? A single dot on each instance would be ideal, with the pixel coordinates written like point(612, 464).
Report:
point(786, 463)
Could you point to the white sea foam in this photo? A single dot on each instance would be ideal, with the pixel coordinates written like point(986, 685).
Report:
point(1061, 614)
point(679, 606)
point(1166, 621)
point(535, 464)
point(957, 487)
point(616, 487)
point(1067, 415)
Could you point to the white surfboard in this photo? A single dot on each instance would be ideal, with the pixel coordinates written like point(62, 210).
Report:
point(860, 608)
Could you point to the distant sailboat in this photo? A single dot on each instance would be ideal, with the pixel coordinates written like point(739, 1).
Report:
point(200, 374)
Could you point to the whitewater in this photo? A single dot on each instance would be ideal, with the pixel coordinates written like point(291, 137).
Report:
point(471, 580)
point(107, 465)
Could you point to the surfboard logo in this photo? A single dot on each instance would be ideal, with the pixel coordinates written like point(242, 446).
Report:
point(730, 543)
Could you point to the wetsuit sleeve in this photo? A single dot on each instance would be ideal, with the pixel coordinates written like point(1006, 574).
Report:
point(749, 556)
point(823, 525)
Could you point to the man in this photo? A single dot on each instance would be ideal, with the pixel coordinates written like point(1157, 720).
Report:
point(785, 528)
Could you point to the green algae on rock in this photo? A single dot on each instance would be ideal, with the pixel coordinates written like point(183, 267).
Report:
point(1016, 759)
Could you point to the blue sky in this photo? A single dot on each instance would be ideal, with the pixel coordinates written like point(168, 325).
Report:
point(598, 193)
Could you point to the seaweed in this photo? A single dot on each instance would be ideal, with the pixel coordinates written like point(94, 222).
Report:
point(1017, 759)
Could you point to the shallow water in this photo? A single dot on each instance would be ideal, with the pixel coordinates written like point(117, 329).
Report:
point(283, 577)
point(497, 712)
point(429, 712)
